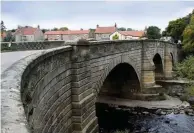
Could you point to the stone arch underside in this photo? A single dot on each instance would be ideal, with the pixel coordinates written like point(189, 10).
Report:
point(157, 59)
point(125, 58)
point(121, 82)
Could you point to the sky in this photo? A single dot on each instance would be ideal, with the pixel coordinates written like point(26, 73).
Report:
point(87, 14)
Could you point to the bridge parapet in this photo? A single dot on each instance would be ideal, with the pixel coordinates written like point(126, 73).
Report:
point(23, 89)
point(21, 46)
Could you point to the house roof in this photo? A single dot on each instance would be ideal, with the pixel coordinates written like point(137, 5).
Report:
point(67, 32)
point(26, 30)
point(132, 33)
point(109, 29)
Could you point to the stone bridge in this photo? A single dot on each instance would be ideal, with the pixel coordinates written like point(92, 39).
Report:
point(55, 91)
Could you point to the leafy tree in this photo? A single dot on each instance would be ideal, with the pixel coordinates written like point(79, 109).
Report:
point(13, 30)
point(2, 26)
point(176, 27)
point(45, 30)
point(122, 29)
point(63, 28)
point(129, 29)
point(55, 29)
point(188, 36)
point(2, 29)
point(115, 37)
point(153, 32)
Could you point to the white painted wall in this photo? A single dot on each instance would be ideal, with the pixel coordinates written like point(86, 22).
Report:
point(122, 37)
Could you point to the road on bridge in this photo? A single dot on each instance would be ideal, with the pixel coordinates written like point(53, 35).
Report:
point(8, 58)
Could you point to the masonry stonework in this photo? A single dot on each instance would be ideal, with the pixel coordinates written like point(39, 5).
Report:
point(55, 91)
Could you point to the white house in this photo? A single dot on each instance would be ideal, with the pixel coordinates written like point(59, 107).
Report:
point(126, 35)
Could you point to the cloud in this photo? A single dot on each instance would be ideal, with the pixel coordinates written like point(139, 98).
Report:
point(76, 15)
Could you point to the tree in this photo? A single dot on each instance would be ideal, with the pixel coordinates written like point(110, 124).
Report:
point(63, 28)
point(55, 29)
point(45, 30)
point(129, 29)
point(2, 29)
point(122, 29)
point(9, 37)
point(2, 26)
point(153, 32)
point(115, 37)
point(188, 36)
point(176, 27)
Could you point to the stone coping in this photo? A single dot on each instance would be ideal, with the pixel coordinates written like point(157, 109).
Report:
point(43, 41)
point(120, 41)
point(13, 117)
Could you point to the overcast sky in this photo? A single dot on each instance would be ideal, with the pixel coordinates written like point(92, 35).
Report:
point(88, 14)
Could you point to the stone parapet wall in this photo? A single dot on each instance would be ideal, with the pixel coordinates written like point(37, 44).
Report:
point(21, 46)
point(36, 93)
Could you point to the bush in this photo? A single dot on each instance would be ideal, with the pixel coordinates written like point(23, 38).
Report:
point(185, 69)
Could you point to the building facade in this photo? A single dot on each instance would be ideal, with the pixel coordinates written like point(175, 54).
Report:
point(69, 35)
point(28, 33)
point(127, 35)
point(103, 33)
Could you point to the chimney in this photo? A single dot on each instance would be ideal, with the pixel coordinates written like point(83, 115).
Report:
point(81, 29)
point(38, 26)
point(115, 25)
point(97, 26)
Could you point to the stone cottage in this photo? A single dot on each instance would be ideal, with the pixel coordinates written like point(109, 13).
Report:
point(69, 35)
point(28, 33)
point(103, 33)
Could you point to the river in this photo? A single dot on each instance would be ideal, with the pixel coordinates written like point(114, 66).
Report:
point(112, 119)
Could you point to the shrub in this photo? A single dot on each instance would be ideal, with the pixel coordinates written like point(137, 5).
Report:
point(185, 69)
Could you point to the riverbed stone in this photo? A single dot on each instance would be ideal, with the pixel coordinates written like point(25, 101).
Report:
point(145, 113)
point(163, 113)
point(158, 111)
point(191, 100)
point(189, 111)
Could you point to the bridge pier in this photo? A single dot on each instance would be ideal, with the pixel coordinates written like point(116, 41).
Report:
point(84, 118)
point(147, 71)
point(168, 66)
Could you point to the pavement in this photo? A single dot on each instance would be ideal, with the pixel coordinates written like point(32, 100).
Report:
point(9, 58)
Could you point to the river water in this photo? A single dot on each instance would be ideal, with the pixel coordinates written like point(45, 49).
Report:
point(111, 119)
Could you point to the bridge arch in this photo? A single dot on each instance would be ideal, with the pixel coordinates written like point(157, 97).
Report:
point(112, 64)
point(159, 70)
point(121, 81)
